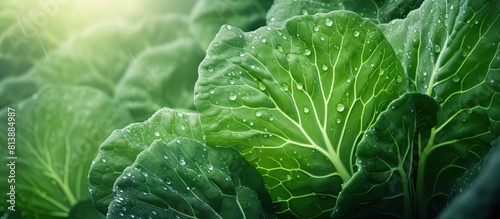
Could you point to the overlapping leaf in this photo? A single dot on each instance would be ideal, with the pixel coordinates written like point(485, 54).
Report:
point(378, 11)
point(160, 77)
point(450, 51)
point(295, 101)
point(207, 16)
point(188, 179)
point(383, 185)
point(480, 199)
point(57, 137)
point(96, 57)
point(121, 149)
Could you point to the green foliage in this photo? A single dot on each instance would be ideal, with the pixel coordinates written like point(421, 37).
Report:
point(207, 16)
point(57, 139)
point(187, 178)
point(341, 109)
point(378, 11)
point(299, 93)
point(160, 77)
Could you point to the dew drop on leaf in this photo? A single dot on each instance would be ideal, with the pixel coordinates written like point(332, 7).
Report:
point(258, 113)
point(103, 160)
point(340, 107)
point(271, 118)
point(181, 160)
point(299, 86)
point(262, 86)
point(324, 67)
point(356, 33)
point(306, 109)
point(339, 120)
point(210, 68)
point(241, 54)
point(455, 78)
point(316, 28)
point(328, 22)
point(284, 86)
point(437, 48)
point(279, 48)
point(307, 52)
point(156, 133)
point(288, 176)
point(231, 81)
point(399, 78)
point(232, 96)
point(263, 40)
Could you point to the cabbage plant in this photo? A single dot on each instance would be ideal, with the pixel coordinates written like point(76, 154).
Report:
point(270, 109)
point(346, 110)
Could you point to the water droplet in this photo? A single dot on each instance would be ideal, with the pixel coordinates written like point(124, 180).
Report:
point(307, 52)
point(304, 11)
point(328, 22)
point(231, 81)
point(210, 167)
point(229, 27)
point(271, 118)
point(262, 86)
point(338, 120)
point(165, 156)
point(299, 86)
point(156, 133)
point(340, 107)
point(210, 68)
point(306, 109)
point(284, 86)
point(263, 40)
point(181, 160)
point(168, 181)
point(399, 78)
point(103, 160)
point(183, 127)
point(279, 48)
point(455, 78)
point(437, 48)
point(241, 54)
point(212, 91)
point(258, 113)
point(232, 96)
point(356, 33)
point(324, 67)
point(288, 176)
point(316, 28)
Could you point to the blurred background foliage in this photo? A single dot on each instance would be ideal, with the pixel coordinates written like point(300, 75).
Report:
point(76, 70)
